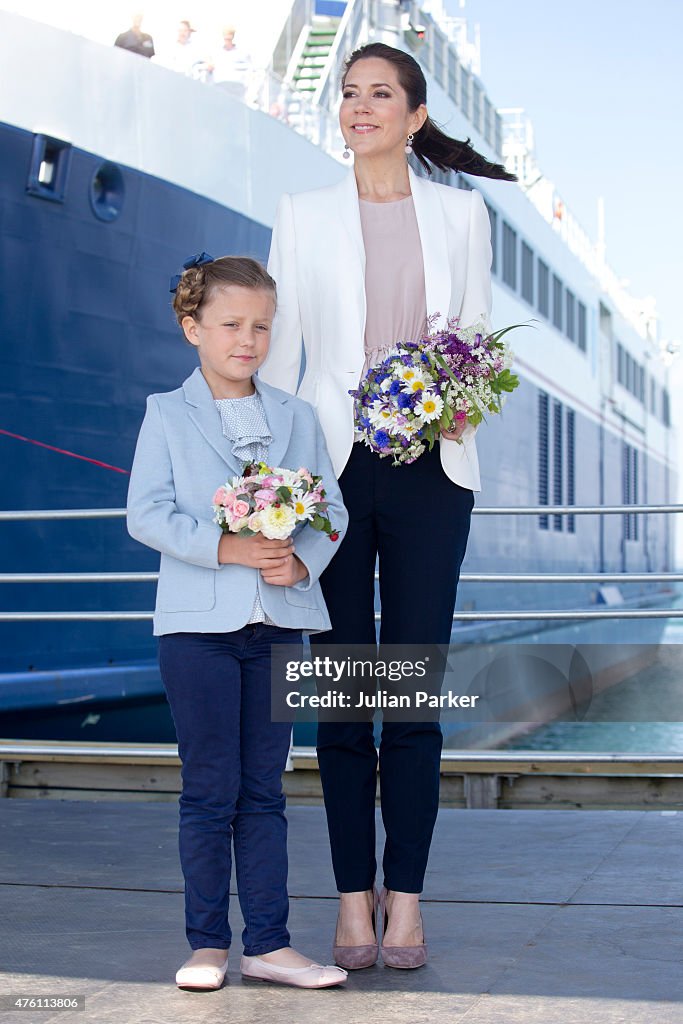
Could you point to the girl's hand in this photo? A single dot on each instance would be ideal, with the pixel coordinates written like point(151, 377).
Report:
point(453, 435)
point(287, 575)
point(257, 552)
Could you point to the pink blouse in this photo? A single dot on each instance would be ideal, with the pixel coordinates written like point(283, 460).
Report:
point(394, 277)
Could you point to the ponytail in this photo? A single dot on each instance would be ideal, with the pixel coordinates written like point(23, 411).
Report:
point(433, 145)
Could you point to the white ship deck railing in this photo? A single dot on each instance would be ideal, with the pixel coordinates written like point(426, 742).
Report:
point(459, 616)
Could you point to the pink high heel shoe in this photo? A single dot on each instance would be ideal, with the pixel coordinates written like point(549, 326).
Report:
point(354, 958)
point(403, 957)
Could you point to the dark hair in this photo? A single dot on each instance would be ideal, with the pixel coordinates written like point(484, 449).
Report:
point(430, 143)
point(197, 284)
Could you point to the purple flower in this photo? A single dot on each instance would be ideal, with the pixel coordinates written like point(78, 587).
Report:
point(395, 388)
point(381, 439)
point(404, 401)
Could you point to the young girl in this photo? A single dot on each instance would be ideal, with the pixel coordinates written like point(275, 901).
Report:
point(222, 601)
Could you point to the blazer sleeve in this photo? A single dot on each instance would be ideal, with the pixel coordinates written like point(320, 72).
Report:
point(313, 547)
point(152, 514)
point(477, 299)
point(283, 363)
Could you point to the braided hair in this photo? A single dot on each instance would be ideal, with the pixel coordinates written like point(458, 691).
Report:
point(197, 283)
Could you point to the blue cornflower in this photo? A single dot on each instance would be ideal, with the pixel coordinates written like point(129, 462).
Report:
point(395, 387)
point(381, 438)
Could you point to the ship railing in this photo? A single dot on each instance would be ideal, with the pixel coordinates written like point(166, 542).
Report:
point(484, 615)
point(273, 95)
point(469, 778)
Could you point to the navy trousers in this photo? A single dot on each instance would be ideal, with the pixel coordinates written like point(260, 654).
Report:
point(233, 756)
point(417, 521)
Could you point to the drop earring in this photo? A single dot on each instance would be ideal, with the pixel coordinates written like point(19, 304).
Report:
point(347, 152)
point(409, 144)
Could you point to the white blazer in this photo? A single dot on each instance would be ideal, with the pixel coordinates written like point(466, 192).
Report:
point(317, 258)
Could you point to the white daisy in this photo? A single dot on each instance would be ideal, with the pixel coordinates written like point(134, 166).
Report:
point(429, 407)
point(382, 415)
point(303, 505)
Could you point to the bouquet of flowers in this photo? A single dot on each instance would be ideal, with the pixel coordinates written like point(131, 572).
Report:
point(272, 501)
point(420, 387)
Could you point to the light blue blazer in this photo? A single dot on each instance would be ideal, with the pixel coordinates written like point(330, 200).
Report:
point(180, 460)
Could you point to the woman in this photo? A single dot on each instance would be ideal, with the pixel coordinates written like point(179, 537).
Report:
point(359, 266)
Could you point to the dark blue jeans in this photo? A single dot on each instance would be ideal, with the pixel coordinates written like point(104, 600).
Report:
point(233, 756)
point(419, 568)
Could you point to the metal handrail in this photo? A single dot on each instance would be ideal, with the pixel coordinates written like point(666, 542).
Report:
point(473, 760)
point(483, 616)
point(465, 577)
point(487, 510)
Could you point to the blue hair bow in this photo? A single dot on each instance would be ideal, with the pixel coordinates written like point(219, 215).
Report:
point(197, 260)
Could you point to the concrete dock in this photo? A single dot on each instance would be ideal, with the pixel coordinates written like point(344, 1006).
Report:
point(544, 916)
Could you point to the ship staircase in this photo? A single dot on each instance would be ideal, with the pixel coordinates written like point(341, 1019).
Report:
point(307, 65)
point(315, 54)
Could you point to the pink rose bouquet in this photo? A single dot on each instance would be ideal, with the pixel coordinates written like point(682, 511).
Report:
point(272, 501)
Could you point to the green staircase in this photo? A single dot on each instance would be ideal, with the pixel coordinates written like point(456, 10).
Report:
point(314, 56)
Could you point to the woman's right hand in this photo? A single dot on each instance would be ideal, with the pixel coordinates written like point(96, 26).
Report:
point(257, 552)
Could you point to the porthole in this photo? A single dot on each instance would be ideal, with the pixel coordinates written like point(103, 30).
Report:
point(107, 192)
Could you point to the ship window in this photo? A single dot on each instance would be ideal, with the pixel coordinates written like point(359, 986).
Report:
point(570, 324)
point(543, 289)
point(499, 136)
point(558, 523)
point(666, 408)
point(107, 192)
point(476, 106)
point(653, 396)
point(439, 43)
point(630, 490)
point(582, 326)
point(571, 476)
point(49, 168)
point(620, 363)
point(493, 217)
point(557, 302)
point(543, 456)
point(509, 256)
point(452, 76)
point(489, 133)
point(527, 273)
point(465, 91)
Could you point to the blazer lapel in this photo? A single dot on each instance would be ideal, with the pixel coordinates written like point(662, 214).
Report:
point(431, 223)
point(350, 269)
point(348, 209)
point(280, 418)
point(206, 418)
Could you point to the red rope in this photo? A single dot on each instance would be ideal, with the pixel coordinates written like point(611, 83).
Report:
point(63, 451)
